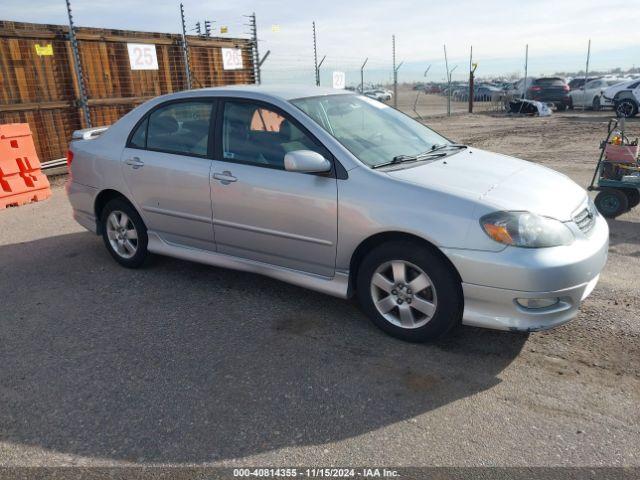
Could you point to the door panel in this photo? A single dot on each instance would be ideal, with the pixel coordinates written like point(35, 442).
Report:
point(174, 194)
point(261, 211)
point(278, 217)
point(167, 167)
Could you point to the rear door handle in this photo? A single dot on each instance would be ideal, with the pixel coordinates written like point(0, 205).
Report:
point(225, 177)
point(135, 162)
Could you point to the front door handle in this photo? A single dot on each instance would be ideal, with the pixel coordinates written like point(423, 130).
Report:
point(225, 177)
point(135, 162)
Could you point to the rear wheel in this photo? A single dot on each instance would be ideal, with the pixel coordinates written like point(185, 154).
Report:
point(124, 233)
point(611, 202)
point(561, 107)
point(596, 104)
point(570, 103)
point(409, 291)
point(633, 197)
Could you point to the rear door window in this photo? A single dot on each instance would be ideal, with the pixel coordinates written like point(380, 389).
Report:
point(180, 127)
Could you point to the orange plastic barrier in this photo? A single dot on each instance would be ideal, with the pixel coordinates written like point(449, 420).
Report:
point(21, 179)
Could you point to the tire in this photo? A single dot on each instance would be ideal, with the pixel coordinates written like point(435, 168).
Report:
point(382, 286)
point(596, 104)
point(626, 108)
point(124, 233)
point(570, 103)
point(633, 197)
point(561, 107)
point(612, 202)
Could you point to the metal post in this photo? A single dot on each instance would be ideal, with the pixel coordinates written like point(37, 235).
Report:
point(586, 77)
point(362, 75)
point(526, 65)
point(446, 66)
point(82, 101)
point(395, 72)
point(471, 91)
point(319, 65)
point(185, 49)
point(415, 103)
point(315, 55)
point(254, 44)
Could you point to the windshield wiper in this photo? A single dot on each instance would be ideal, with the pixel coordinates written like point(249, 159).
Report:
point(410, 158)
point(448, 145)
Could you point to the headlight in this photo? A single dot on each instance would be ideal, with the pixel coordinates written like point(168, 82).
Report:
point(524, 229)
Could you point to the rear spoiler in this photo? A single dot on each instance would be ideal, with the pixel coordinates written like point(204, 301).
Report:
point(88, 133)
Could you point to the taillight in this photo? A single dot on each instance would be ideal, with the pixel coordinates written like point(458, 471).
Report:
point(566, 88)
point(69, 158)
point(535, 89)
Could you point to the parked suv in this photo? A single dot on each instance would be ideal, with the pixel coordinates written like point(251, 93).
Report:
point(550, 90)
point(342, 194)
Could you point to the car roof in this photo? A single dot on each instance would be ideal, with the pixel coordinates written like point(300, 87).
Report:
point(283, 92)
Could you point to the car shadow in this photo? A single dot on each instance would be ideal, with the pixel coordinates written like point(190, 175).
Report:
point(623, 231)
point(180, 362)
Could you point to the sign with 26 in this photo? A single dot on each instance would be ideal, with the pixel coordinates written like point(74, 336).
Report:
point(231, 58)
point(142, 56)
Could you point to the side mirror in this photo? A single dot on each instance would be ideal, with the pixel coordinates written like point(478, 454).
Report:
point(306, 161)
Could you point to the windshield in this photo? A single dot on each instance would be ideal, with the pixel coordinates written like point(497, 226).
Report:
point(372, 131)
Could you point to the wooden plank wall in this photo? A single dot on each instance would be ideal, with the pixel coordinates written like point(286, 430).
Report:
point(43, 90)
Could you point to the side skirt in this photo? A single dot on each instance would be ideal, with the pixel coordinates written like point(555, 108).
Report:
point(336, 286)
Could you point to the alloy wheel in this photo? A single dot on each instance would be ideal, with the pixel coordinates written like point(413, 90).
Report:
point(403, 294)
point(122, 234)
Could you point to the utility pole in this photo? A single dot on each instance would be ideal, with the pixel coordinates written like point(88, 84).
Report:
point(586, 74)
point(395, 71)
point(185, 49)
point(471, 88)
point(526, 66)
point(253, 30)
point(82, 101)
point(207, 28)
point(449, 72)
point(362, 75)
point(315, 54)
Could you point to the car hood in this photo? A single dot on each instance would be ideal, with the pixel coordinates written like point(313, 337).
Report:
point(499, 181)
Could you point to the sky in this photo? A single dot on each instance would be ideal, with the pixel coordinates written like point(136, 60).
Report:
point(557, 32)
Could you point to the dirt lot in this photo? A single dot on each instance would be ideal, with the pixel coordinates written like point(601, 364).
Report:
point(179, 362)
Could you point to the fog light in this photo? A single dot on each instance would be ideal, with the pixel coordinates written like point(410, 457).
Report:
point(537, 302)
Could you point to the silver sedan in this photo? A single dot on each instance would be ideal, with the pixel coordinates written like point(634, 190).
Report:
point(342, 194)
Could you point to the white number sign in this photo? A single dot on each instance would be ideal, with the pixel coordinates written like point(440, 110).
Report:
point(142, 56)
point(231, 58)
point(339, 80)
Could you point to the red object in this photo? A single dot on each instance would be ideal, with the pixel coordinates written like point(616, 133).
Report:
point(535, 89)
point(21, 180)
point(69, 158)
point(621, 153)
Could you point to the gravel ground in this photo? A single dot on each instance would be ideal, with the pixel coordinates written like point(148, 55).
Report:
point(182, 363)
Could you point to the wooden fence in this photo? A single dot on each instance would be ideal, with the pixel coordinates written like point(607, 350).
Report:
point(38, 83)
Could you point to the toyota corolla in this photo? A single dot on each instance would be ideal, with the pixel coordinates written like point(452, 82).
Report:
point(339, 193)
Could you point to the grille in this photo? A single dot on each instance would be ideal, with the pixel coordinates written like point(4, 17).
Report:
point(585, 219)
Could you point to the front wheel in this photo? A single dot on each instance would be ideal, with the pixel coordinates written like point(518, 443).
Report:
point(626, 108)
point(409, 291)
point(124, 233)
point(611, 202)
point(596, 104)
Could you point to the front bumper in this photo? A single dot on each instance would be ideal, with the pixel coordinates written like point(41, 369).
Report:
point(493, 281)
